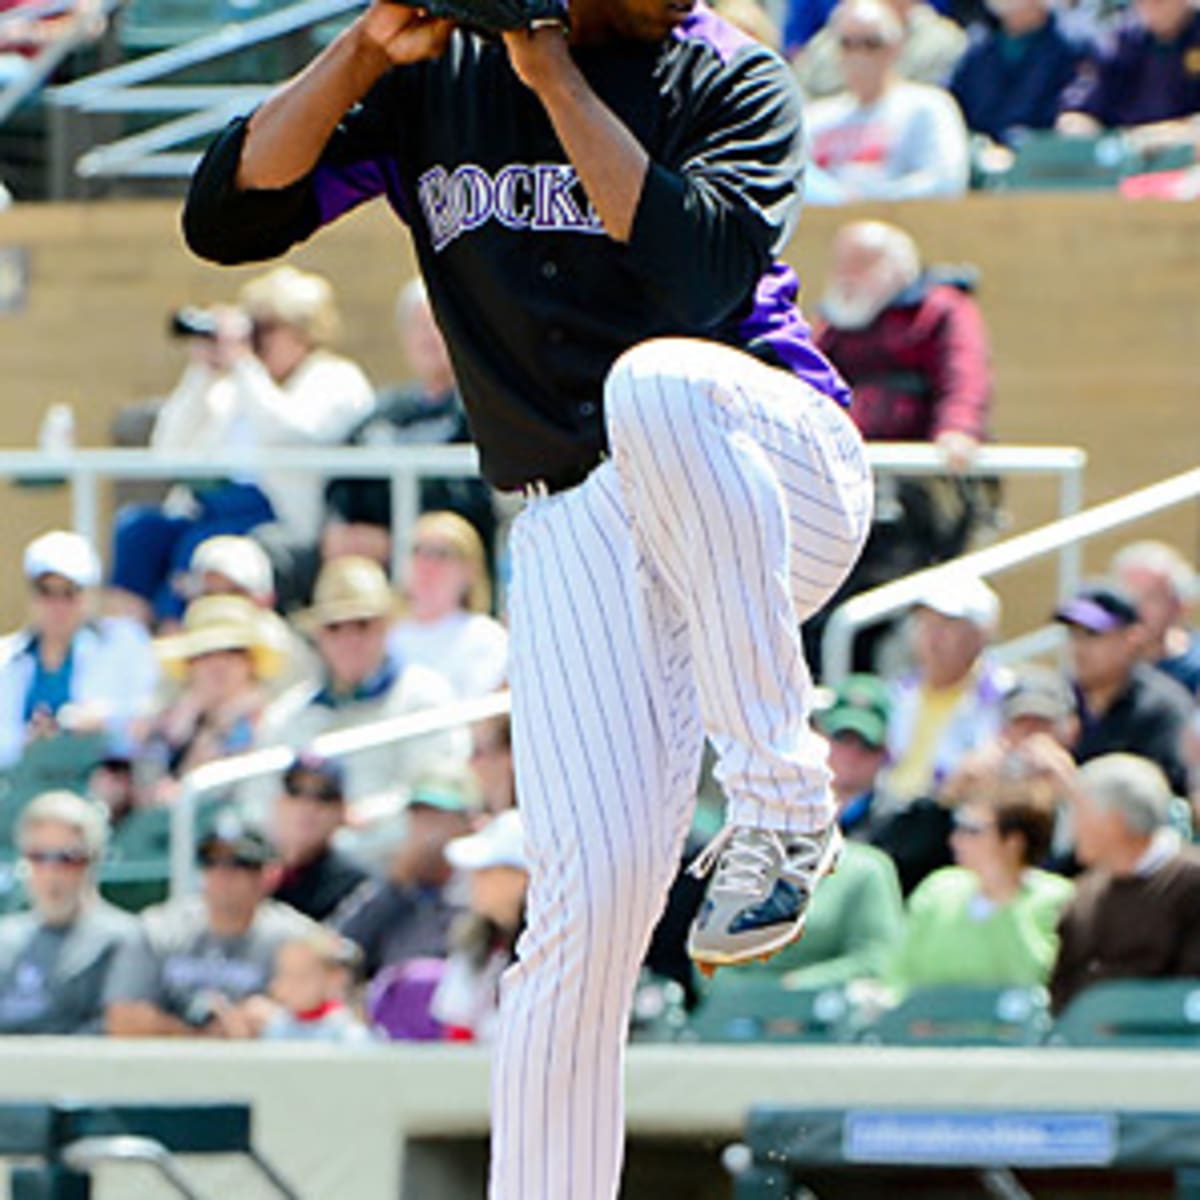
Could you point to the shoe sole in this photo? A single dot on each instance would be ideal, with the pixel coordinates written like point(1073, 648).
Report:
point(707, 961)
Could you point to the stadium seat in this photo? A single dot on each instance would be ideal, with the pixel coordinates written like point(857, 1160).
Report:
point(964, 1016)
point(764, 1011)
point(64, 761)
point(1047, 161)
point(1151, 1012)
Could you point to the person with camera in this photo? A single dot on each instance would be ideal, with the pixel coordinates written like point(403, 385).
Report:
point(260, 375)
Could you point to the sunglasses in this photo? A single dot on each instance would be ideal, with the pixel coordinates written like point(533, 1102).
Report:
point(58, 858)
point(324, 794)
point(359, 625)
point(434, 551)
point(867, 44)
point(222, 863)
point(55, 591)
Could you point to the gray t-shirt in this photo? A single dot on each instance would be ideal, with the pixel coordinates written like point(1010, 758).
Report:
point(176, 960)
point(52, 977)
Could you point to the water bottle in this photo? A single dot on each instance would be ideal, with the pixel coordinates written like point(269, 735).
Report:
point(56, 434)
point(56, 437)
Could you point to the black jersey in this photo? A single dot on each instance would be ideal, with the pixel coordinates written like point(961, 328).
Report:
point(535, 300)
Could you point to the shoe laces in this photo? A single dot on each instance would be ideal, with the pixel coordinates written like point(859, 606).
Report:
point(745, 860)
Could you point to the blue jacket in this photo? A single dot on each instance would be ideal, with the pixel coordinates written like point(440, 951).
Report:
point(1005, 84)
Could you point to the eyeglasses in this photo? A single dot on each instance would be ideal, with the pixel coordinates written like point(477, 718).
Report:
point(868, 44)
point(55, 591)
point(438, 552)
point(58, 858)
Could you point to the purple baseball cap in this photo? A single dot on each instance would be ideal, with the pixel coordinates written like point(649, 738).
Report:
point(1100, 608)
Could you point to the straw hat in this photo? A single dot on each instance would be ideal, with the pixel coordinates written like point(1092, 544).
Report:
point(214, 623)
point(297, 298)
point(349, 589)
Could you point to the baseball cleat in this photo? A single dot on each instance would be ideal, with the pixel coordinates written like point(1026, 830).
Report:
point(757, 902)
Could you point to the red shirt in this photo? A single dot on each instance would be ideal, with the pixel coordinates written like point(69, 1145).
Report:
point(919, 369)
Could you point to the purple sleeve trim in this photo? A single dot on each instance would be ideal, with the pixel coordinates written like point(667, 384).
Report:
point(340, 187)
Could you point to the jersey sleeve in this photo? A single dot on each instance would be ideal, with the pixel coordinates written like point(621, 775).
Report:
point(709, 222)
point(227, 224)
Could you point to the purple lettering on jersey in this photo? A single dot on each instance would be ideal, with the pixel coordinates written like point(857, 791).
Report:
point(437, 202)
point(514, 197)
point(555, 207)
point(474, 196)
point(520, 197)
point(776, 325)
point(704, 25)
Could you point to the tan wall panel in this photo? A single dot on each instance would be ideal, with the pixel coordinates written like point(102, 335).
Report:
point(1091, 303)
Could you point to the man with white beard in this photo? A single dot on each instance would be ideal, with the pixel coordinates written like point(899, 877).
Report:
point(910, 342)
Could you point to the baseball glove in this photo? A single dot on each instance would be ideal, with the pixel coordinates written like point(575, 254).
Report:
point(495, 16)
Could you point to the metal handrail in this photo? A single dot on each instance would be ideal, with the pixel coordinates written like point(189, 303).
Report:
point(43, 65)
point(237, 35)
point(404, 465)
point(119, 89)
point(228, 772)
point(1071, 531)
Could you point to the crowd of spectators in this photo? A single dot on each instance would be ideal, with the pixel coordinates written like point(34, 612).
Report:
point(1015, 828)
point(910, 99)
point(1021, 827)
point(995, 818)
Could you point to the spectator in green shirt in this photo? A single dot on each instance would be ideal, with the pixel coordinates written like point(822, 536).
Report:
point(992, 918)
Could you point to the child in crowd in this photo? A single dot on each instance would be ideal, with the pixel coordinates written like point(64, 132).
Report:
point(466, 1000)
point(311, 988)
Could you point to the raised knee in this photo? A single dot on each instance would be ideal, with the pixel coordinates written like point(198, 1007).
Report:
point(642, 388)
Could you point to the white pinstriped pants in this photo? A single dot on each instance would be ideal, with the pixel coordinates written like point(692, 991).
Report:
point(658, 601)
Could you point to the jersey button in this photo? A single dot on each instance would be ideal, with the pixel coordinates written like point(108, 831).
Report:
point(587, 409)
point(549, 269)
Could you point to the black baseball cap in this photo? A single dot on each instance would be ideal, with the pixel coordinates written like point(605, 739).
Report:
point(1099, 608)
point(313, 772)
point(232, 840)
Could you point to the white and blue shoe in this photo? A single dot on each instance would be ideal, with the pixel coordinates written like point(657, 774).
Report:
point(758, 900)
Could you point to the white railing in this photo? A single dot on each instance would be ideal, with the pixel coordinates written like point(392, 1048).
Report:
point(1066, 534)
point(164, 150)
point(84, 470)
point(227, 773)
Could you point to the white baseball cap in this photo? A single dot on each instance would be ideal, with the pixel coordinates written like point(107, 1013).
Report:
point(65, 554)
point(962, 596)
point(500, 843)
point(240, 559)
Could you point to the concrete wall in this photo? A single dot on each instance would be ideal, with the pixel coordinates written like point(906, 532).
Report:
point(1091, 303)
point(335, 1120)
